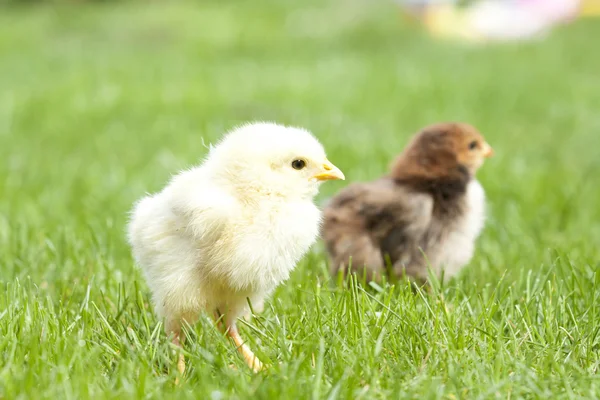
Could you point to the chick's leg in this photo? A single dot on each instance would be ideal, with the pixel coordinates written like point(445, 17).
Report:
point(177, 341)
point(173, 327)
point(252, 361)
point(231, 329)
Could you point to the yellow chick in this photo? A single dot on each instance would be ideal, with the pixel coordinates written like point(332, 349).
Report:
point(232, 228)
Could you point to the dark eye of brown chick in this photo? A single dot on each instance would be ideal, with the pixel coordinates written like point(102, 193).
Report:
point(473, 145)
point(298, 164)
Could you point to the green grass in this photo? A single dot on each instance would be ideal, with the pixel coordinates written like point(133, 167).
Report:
point(101, 103)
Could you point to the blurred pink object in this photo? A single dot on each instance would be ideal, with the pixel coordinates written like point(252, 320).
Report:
point(491, 20)
point(552, 10)
point(497, 20)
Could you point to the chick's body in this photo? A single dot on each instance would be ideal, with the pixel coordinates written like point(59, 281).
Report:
point(233, 228)
point(221, 254)
point(427, 212)
point(376, 223)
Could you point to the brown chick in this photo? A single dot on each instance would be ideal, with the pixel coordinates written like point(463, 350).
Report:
point(427, 212)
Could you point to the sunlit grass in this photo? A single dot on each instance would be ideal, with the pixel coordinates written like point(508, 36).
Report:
point(101, 103)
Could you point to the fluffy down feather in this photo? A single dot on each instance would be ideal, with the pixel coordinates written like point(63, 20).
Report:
point(232, 228)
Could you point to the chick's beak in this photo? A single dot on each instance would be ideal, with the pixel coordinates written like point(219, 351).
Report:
point(487, 151)
point(329, 172)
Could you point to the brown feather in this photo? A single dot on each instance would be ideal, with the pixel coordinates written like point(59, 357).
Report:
point(401, 216)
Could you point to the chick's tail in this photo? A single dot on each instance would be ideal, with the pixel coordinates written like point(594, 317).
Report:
point(352, 251)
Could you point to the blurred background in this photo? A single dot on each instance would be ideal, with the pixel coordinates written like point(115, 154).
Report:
point(101, 101)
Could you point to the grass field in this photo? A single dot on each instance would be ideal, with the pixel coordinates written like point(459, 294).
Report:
point(101, 103)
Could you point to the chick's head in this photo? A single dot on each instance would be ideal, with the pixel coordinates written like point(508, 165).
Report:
point(443, 150)
point(266, 158)
point(470, 147)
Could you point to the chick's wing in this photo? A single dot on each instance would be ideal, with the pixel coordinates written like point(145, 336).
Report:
point(369, 221)
point(202, 211)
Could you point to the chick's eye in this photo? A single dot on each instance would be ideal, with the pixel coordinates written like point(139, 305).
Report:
point(473, 145)
point(298, 164)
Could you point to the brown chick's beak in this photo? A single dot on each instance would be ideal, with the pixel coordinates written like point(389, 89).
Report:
point(488, 151)
point(330, 172)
